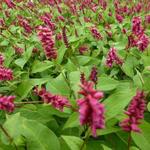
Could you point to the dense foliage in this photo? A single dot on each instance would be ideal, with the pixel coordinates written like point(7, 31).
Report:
point(74, 75)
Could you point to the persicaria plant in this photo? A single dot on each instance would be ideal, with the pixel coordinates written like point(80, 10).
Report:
point(74, 75)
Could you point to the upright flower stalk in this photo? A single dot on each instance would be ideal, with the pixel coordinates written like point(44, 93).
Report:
point(65, 39)
point(45, 35)
point(112, 57)
point(90, 109)
point(135, 113)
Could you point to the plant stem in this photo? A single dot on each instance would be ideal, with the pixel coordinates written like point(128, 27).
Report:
point(86, 138)
point(30, 102)
point(6, 133)
point(129, 141)
point(41, 102)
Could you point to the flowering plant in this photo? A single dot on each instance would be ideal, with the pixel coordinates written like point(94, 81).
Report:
point(74, 75)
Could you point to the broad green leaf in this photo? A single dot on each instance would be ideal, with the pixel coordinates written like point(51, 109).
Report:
point(106, 83)
point(73, 121)
point(85, 60)
point(74, 143)
point(148, 106)
point(33, 132)
point(146, 78)
point(20, 62)
point(26, 86)
point(106, 147)
point(4, 43)
point(107, 130)
point(59, 86)
point(146, 60)
point(134, 148)
point(26, 55)
point(94, 145)
point(51, 111)
point(41, 66)
point(117, 101)
point(74, 78)
point(142, 140)
point(128, 67)
point(61, 52)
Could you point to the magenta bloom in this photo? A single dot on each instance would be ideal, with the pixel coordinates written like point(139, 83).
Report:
point(119, 18)
point(83, 49)
point(65, 39)
point(46, 18)
point(2, 22)
point(142, 42)
point(95, 33)
point(137, 28)
point(6, 74)
point(1, 59)
point(135, 113)
point(45, 36)
point(25, 24)
point(57, 101)
point(91, 111)
point(147, 19)
point(93, 75)
point(18, 50)
point(61, 18)
point(131, 41)
point(113, 58)
point(59, 36)
point(9, 3)
point(7, 103)
point(82, 78)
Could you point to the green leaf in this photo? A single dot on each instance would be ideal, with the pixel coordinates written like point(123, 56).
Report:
point(106, 83)
point(26, 86)
point(146, 60)
point(85, 60)
point(117, 101)
point(74, 78)
point(58, 86)
point(73, 121)
point(4, 43)
point(94, 145)
point(37, 136)
point(41, 66)
point(20, 62)
point(106, 147)
point(51, 111)
point(142, 140)
point(74, 143)
point(128, 66)
point(26, 55)
point(61, 52)
point(148, 106)
point(107, 130)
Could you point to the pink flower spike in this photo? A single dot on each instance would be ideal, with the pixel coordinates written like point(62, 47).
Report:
point(6, 74)
point(1, 59)
point(45, 36)
point(9, 3)
point(7, 103)
point(112, 57)
point(57, 101)
point(91, 111)
point(135, 113)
